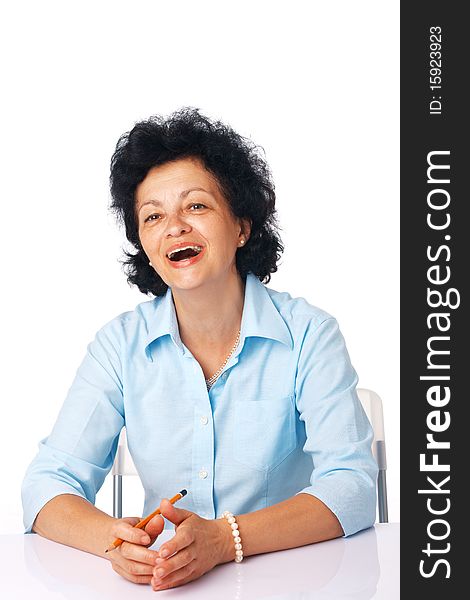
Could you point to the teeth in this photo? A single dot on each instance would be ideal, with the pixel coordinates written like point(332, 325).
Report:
point(173, 252)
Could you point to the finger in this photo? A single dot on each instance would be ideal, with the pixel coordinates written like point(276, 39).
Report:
point(183, 537)
point(137, 554)
point(164, 567)
point(130, 576)
point(133, 567)
point(125, 531)
point(173, 514)
point(180, 577)
point(131, 520)
point(155, 526)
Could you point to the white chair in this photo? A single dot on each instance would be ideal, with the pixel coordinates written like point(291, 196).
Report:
point(373, 407)
point(124, 465)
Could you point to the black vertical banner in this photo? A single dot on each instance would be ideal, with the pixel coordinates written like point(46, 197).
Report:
point(435, 258)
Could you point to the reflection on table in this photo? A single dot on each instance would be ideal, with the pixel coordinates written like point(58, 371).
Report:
point(363, 566)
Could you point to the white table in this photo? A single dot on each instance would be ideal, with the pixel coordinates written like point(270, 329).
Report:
point(365, 565)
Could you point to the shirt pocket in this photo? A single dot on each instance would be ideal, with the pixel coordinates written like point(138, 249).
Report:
point(264, 433)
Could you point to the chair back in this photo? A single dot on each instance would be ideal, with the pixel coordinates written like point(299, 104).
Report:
point(123, 465)
point(372, 405)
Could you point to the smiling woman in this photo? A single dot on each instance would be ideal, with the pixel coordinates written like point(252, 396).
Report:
point(239, 393)
point(216, 168)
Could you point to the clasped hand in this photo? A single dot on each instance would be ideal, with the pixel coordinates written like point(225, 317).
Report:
point(196, 547)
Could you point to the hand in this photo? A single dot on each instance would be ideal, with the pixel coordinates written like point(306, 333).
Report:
point(132, 559)
point(197, 547)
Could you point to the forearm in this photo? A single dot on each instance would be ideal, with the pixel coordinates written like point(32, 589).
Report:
point(297, 521)
point(73, 521)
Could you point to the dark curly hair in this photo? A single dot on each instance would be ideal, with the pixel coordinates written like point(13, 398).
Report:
point(243, 176)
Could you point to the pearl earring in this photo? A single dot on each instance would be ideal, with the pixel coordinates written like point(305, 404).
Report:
point(242, 242)
point(150, 264)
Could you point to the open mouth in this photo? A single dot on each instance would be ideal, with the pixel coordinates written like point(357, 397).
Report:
point(183, 253)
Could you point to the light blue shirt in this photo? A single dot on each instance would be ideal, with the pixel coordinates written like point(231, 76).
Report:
point(283, 418)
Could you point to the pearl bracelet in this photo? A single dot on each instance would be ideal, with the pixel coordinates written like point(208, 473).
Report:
point(236, 535)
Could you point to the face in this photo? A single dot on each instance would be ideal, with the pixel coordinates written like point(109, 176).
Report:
point(179, 204)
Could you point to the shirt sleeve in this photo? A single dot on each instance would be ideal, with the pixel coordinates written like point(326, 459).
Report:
point(79, 452)
point(339, 435)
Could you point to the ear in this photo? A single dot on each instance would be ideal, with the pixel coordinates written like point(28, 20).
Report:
point(245, 227)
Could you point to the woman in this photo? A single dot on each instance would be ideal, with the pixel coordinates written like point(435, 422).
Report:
point(241, 394)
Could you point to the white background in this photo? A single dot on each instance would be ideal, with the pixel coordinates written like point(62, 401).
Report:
point(314, 83)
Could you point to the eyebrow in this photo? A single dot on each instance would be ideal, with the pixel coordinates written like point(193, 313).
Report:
point(182, 195)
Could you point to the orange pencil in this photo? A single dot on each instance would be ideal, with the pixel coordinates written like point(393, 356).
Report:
point(144, 522)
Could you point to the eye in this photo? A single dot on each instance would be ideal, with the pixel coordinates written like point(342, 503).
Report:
point(198, 204)
point(152, 217)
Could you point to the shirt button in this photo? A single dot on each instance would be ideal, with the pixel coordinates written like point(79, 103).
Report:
point(203, 474)
point(204, 420)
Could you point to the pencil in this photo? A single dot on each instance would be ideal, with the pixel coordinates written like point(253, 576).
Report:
point(144, 522)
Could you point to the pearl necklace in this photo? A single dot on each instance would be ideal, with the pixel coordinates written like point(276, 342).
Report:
point(211, 380)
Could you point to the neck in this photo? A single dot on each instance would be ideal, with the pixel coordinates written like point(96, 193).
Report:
point(210, 315)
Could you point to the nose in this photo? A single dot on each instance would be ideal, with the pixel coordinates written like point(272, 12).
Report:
point(176, 225)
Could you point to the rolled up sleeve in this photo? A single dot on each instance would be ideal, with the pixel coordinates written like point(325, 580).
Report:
point(338, 432)
point(78, 454)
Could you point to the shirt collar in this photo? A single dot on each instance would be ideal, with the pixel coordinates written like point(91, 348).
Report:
point(260, 318)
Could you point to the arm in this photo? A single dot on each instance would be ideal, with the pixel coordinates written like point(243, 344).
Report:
point(61, 483)
point(340, 499)
point(339, 436)
point(73, 521)
point(297, 521)
point(300, 520)
point(80, 450)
